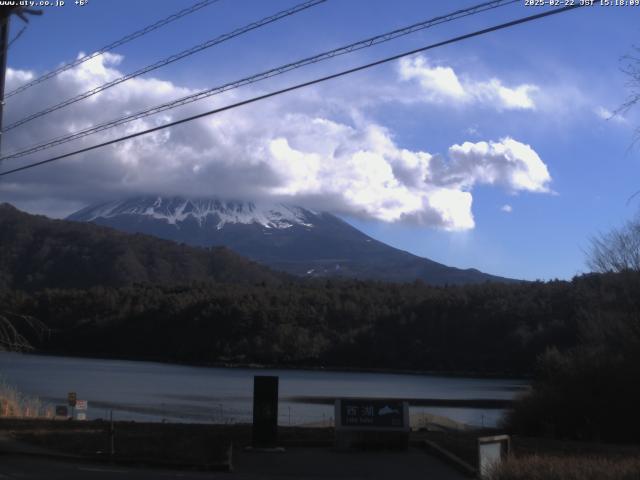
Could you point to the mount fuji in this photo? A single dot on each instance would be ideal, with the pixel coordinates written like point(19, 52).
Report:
point(284, 237)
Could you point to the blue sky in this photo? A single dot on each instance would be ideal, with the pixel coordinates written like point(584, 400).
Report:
point(547, 85)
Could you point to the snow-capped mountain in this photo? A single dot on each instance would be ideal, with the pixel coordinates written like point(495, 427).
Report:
point(284, 237)
point(176, 210)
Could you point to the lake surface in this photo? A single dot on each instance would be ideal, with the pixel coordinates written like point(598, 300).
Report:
point(148, 391)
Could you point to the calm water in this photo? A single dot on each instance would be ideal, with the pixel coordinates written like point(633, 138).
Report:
point(155, 391)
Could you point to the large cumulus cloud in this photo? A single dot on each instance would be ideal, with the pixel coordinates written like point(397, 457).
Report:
point(286, 149)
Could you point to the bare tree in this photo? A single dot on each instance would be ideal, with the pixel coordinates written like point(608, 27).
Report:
point(14, 330)
point(619, 250)
point(631, 67)
point(616, 251)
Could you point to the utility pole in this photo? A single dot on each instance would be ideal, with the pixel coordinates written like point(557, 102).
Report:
point(4, 46)
point(5, 15)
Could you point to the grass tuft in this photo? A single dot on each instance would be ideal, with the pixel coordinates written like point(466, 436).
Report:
point(15, 404)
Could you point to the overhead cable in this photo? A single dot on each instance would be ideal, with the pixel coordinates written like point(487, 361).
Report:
point(476, 33)
point(369, 42)
point(166, 61)
point(126, 39)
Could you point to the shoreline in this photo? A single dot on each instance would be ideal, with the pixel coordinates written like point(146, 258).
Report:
point(526, 378)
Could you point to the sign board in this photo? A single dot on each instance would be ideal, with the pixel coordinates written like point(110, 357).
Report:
point(265, 411)
point(372, 413)
point(81, 404)
point(81, 416)
point(491, 451)
point(62, 411)
point(372, 422)
point(71, 399)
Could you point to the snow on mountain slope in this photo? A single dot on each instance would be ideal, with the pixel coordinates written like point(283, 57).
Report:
point(288, 238)
point(176, 209)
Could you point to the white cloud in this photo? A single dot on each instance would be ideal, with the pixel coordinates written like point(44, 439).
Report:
point(472, 131)
point(603, 113)
point(506, 208)
point(18, 77)
point(283, 150)
point(507, 163)
point(442, 84)
point(437, 82)
point(606, 114)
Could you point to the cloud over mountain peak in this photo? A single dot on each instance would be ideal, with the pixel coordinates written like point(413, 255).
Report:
point(287, 150)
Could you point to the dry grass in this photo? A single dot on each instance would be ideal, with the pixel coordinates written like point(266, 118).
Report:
point(15, 404)
point(568, 468)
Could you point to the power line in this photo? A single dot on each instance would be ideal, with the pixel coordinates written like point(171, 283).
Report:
point(166, 61)
point(17, 36)
point(132, 36)
point(369, 42)
point(300, 85)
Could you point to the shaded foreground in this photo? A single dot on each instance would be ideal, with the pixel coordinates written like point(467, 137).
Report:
point(141, 447)
point(170, 444)
point(222, 447)
point(295, 463)
point(29, 468)
point(568, 468)
point(546, 458)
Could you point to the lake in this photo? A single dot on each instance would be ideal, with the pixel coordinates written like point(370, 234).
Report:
point(148, 391)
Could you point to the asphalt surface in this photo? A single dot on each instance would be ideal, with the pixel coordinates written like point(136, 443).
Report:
point(325, 463)
point(14, 467)
point(294, 463)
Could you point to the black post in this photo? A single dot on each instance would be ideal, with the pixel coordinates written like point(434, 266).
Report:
point(112, 434)
point(265, 412)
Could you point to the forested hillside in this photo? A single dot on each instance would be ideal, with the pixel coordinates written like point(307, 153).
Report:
point(105, 293)
point(79, 289)
point(491, 328)
point(37, 252)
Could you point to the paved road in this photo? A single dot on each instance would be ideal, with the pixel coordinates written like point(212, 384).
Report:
point(325, 464)
point(30, 468)
point(295, 463)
